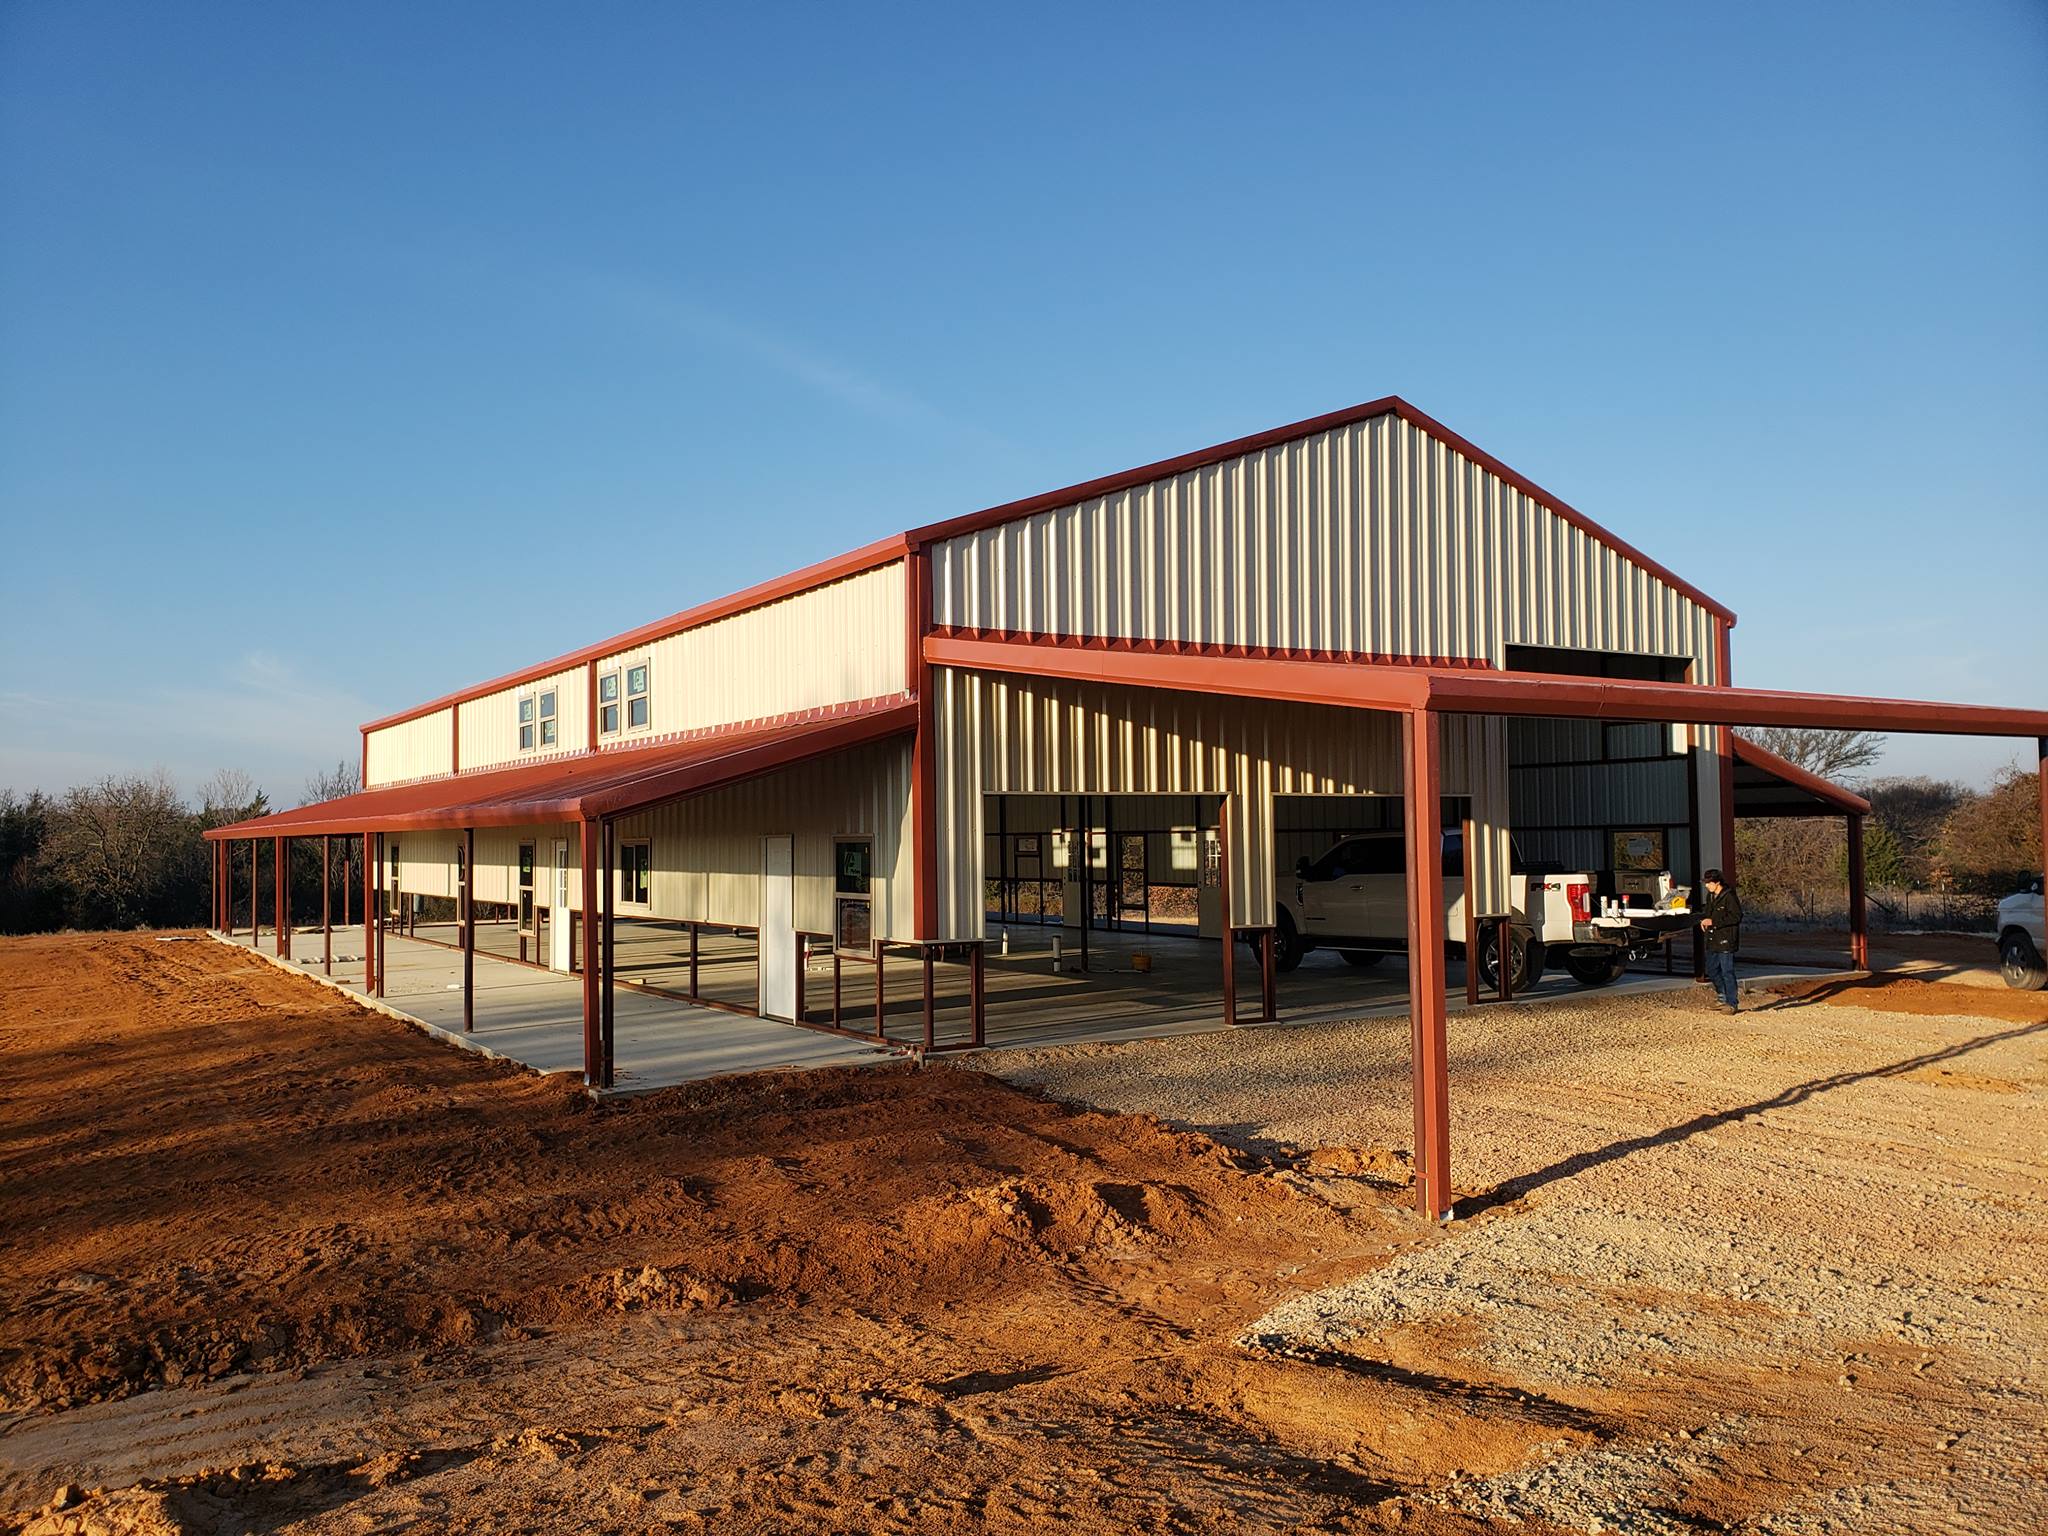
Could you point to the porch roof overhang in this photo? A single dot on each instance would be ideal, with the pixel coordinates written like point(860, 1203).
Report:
point(1475, 690)
point(1767, 785)
point(589, 786)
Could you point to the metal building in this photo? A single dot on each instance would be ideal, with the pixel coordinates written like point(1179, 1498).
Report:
point(1165, 682)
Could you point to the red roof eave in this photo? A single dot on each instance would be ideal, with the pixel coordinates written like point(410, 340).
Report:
point(590, 785)
point(1478, 691)
point(1813, 784)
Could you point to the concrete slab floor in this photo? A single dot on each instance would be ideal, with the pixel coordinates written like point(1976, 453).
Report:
point(535, 1016)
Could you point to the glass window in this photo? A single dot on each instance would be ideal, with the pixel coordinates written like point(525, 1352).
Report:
point(637, 713)
point(608, 704)
point(547, 718)
point(1384, 856)
point(636, 873)
point(850, 867)
point(853, 924)
point(526, 724)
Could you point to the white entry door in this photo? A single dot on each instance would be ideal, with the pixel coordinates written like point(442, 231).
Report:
point(778, 928)
point(558, 909)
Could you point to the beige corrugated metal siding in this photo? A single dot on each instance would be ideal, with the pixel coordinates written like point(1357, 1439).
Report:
point(836, 644)
point(1018, 735)
point(707, 850)
point(490, 725)
point(412, 749)
point(1373, 538)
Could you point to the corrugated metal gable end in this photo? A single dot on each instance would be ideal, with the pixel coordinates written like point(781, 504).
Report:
point(1375, 537)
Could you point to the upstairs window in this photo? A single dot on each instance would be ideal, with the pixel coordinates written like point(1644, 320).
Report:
point(547, 718)
point(638, 708)
point(608, 704)
point(526, 724)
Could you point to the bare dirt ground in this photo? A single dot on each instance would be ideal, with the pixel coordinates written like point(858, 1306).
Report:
point(271, 1263)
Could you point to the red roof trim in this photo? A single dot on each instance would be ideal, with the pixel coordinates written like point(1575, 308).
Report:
point(1386, 405)
point(868, 557)
point(1482, 692)
point(586, 785)
point(1811, 783)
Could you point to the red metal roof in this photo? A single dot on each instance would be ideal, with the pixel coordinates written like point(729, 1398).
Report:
point(593, 784)
point(882, 551)
point(1478, 691)
point(1809, 787)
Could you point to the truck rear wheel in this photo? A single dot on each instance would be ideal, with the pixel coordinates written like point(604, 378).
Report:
point(2019, 962)
point(1362, 957)
point(1521, 974)
point(1595, 970)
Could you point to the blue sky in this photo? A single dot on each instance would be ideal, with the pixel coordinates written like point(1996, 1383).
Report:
point(600, 312)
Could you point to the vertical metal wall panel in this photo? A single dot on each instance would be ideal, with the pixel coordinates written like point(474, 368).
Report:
point(411, 749)
point(707, 849)
point(490, 725)
point(837, 644)
point(1011, 735)
point(1371, 538)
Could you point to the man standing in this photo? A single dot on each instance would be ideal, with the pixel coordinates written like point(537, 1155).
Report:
point(1721, 922)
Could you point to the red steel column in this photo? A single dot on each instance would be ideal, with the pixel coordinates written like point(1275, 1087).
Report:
point(1472, 924)
point(281, 856)
point(1269, 982)
point(593, 1046)
point(468, 930)
point(1229, 935)
point(924, 772)
point(326, 904)
point(369, 922)
point(383, 918)
point(1422, 778)
point(255, 886)
point(1727, 750)
point(608, 955)
point(2041, 747)
point(1859, 911)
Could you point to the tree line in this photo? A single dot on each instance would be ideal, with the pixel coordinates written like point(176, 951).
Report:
point(1928, 838)
point(130, 851)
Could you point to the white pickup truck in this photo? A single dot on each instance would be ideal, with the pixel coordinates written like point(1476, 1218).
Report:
point(2023, 938)
point(1354, 899)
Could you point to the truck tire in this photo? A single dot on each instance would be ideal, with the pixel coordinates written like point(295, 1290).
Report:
point(1520, 952)
point(1287, 945)
point(1595, 970)
point(2019, 962)
point(1362, 958)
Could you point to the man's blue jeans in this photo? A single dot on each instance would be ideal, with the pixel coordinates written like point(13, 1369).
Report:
point(1721, 972)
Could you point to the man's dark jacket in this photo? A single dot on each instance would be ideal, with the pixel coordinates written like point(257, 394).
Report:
point(1726, 912)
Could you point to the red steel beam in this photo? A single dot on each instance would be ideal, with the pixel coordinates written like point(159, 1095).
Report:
point(1478, 690)
point(593, 1046)
point(1422, 779)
